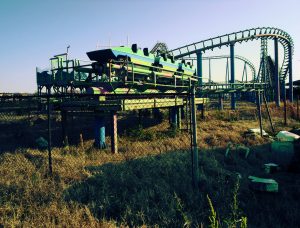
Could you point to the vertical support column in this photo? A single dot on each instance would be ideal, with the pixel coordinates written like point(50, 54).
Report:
point(64, 124)
point(199, 68)
point(203, 110)
point(100, 131)
point(174, 117)
point(188, 112)
point(276, 76)
point(291, 95)
point(221, 106)
point(182, 112)
point(268, 111)
point(232, 75)
point(298, 107)
point(209, 68)
point(195, 158)
point(49, 134)
point(157, 115)
point(284, 106)
point(178, 110)
point(258, 103)
point(140, 117)
point(227, 72)
point(114, 132)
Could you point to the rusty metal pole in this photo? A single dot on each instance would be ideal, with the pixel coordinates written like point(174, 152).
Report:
point(195, 158)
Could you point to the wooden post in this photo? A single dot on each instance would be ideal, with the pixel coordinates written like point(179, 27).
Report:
point(114, 132)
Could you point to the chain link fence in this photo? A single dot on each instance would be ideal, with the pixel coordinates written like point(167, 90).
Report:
point(84, 128)
point(90, 160)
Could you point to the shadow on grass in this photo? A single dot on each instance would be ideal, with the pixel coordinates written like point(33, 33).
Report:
point(21, 131)
point(157, 190)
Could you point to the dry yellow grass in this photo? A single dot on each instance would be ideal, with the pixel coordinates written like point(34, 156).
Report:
point(30, 198)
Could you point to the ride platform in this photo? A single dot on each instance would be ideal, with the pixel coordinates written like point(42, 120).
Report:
point(126, 104)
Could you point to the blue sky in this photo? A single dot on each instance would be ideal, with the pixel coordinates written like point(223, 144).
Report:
point(33, 30)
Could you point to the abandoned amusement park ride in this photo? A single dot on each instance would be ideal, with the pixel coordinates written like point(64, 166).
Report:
point(126, 71)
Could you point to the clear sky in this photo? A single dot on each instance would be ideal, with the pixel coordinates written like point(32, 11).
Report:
point(32, 31)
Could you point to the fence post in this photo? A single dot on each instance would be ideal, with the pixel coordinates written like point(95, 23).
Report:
point(49, 134)
point(194, 149)
point(64, 123)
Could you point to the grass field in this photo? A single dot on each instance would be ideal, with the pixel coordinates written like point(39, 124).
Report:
point(149, 182)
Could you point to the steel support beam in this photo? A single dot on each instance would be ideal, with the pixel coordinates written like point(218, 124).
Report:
point(232, 75)
point(49, 134)
point(268, 111)
point(284, 106)
point(221, 106)
point(209, 68)
point(199, 68)
point(258, 103)
point(291, 95)
point(297, 107)
point(276, 76)
point(157, 114)
point(174, 117)
point(179, 117)
point(64, 124)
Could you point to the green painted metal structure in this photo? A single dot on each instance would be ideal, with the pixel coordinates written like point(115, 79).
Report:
point(265, 33)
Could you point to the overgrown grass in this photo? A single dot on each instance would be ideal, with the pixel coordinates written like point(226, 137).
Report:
point(149, 182)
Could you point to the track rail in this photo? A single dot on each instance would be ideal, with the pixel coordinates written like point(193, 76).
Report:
point(245, 60)
point(238, 37)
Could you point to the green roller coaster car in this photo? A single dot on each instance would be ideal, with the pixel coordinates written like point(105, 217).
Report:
point(136, 66)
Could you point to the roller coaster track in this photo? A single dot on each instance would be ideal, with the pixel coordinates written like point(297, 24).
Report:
point(159, 46)
point(238, 37)
point(246, 61)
